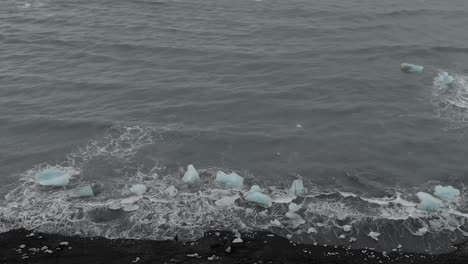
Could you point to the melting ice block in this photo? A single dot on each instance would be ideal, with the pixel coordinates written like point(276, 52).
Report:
point(138, 189)
point(226, 201)
point(411, 68)
point(445, 78)
point(232, 180)
point(428, 202)
point(84, 191)
point(256, 196)
point(291, 214)
point(52, 177)
point(297, 188)
point(447, 193)
point(191, 175)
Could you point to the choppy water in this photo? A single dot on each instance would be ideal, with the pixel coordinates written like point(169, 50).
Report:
point(133, 91)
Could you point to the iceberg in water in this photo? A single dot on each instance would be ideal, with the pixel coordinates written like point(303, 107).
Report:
point(445, 78)
point(428, 202)
point(84, 191)
point(52, 177)
point(138, 189)
point(255, 195)
point(411, 68)
point(191, 175)
point(447, 193)
point(297, 188)
point(231, 180)
point(293, 215)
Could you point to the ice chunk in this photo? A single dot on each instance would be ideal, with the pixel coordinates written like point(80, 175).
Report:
point(346, 228)
point(255, 195)
point(84, 191)
point(171, 190)
point(411, 68)
point(428, 202)
point(52, 177)
point(231, 180)
point(297, 188)
point(445, 78)
point(291, 214)
point(275, 222)
point(226, 201)
point(311, 230)
point(191, 175)
point(138, 189)
point(237, 240)
point(421, 231)
point(374, 235)
point(447, 193)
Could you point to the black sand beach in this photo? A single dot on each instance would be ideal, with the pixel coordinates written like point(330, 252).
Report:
point(24, 246)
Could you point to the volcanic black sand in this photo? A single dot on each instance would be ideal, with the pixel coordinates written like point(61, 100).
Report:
point(23, 246)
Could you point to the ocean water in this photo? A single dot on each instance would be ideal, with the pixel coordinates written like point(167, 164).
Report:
point(123, 92)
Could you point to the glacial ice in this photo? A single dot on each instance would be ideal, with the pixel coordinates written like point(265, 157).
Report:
point(445, 78)
point(428, 202)
point(255, 195)
point(411, 68)
point(291, 214)
point(226, 201)
point(52, 177)
point(447, 193)
point(138, 189)
point(171, 190)
point(231, 180)
point(297, 188)
point(374, 235)
point(84, 191)
point(191, 175)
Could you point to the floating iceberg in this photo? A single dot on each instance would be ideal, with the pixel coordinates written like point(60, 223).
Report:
point(428, 202)
point(447, 193)
point(232, 180)
point(138, 189)
point(374, 235)
point(52, 177)
point(191, 175)
point(171, 190)
point(85, 191)
point(255, 196)
point(445, 78)
point(226, 201)
point(291, 214)
point(411, 68)
point(297, 188)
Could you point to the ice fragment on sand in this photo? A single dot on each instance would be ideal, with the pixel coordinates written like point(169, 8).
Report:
point(226, 201)
point(84, 191)
point(291, 214)
point(237, 240)
point(194, 255)
point(64, 243)
point(374, 235)
point(255, 195)
point(136, 260)
point(346, 228)
point(171, 190)
point(191, 175)
point(445, 78)
point(214, 257)
point(228, 249)
point(411, 68)
point(297, 188)
point(22, 246)
point(52, 177)
point(428, 202)
point(231, 180)
point(447, 193)
point(138, 189)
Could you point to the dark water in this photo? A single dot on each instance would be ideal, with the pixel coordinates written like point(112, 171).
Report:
point(271, 89)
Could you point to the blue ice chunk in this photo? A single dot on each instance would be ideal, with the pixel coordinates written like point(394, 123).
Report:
point(255, 196)
point(447, 193)
point(191, 175)
point(52, 177)
point(232, 180)
point(445, 78)
point(84, 191)
point(411, 68)
point(297, 188)
point(293, 215)
point(138, 189)
point(428, 202)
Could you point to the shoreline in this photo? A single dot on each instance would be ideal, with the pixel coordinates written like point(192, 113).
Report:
point(26, 246)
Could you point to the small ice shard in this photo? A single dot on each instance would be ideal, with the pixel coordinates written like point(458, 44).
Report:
point(289, 236)
point(342, 236)
point(84, 191)
point(52, 177)
point(275, 222)
point(22, 246)
point(374, 235)
point(352, 239)
point(136, 260)
point(171, 190)
point(226, 201)
point(228, 249)
point(346, 228)
point(237, 240)
point(138, 189)
point(445, 78)
point(255, 196)
point(299, 126)
point(64, 243)
point(428, 202)
point(447, 193)
point(194, 255)
point(44, 248)
point(411, 68)
point(231, 180)
point(48, 251)
point(291, 214)
point(399, 246)
point(421, 231)
point(191, 175)
point(214, 257)
point(297, 188)
point(311, 230)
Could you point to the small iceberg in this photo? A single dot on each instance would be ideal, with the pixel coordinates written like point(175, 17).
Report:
point(428, 202)
point(297, 188)
point(84, 191)
point(191, 175)
point(232, 180)
point(445, 78)
point(171, 190)
point(447, 193)
point(226, 201)
point(53, 177)
point(293, 215)
point(255, 195)
point(411, 68)
point(138, 189)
